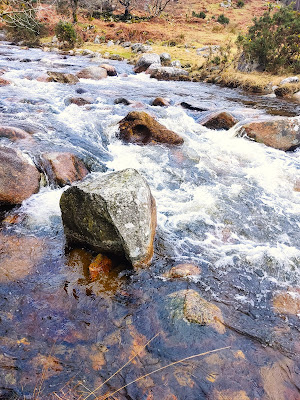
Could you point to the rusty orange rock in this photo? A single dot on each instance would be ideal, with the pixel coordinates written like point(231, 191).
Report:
point(287, 302)
point(101, 265)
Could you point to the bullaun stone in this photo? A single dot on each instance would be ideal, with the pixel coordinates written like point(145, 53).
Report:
point(19, 179)
point(113, 213)
point(140, 128)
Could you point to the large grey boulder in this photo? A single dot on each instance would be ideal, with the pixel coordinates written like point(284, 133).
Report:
point(113, 213)
point(145, 61)
point(96, 73)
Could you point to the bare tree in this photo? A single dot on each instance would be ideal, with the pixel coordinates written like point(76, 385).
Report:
point(129, 5)
point(156, 7)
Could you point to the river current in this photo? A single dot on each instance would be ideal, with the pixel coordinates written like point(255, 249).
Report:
point(224, 203)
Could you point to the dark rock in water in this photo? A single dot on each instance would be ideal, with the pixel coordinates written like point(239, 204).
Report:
point(282, 134)
point(111, 70)
point(63, 168)
point(113, 213)
point(26, 60)
point(122, 100)
point(140, 128)
point(80, 91)
point(96, 73)
point(19, 179)
point(219, 120)
point(62, 78)
point(79, 101)
point(191, 107)
point(145, 61)
point(13, 133)
point(8, 394)
point(160, 102)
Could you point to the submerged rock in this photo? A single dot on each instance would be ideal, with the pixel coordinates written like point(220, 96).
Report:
point(4, 82)
point(14, 134)
point(192, 307)
point(96, 73)
point(113, 213)
point(19, 178)
point(183, 271)
point(145, 61)
point(63, 168)
point(79, 101)
point(140, 128)
point(101, 265)
point(219, 120)
point(282, 134)
point(62, 78)
point(19, 256)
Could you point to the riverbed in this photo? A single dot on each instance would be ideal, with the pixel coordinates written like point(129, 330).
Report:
point(225, 203)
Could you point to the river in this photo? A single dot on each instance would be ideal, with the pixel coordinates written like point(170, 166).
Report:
point(224, 203)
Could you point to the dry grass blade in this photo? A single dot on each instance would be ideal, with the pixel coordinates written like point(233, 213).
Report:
point(107, 396)
point(120, 369)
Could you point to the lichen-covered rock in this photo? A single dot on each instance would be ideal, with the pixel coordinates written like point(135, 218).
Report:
point(63, 168)
point(60, 77)
point(19, 178)
point(219, 120)
point(282, 133)
point(145, 61)
point(96, 73)
point(113, 213)
point(140, 128)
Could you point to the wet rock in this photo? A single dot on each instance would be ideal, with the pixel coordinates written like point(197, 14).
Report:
point(4, 82)
point(13, 133)
point(79, 101)
point(287, 302)
point(183, 271)
point(122, 100)
point(219, 120)
point(228, 394)
point(19, 178)
point(19, 256)
point(282, 134)
point(81, 91)
point(100, 265)
point(111, 70)
point(63, 168)
point(192, 107)
point(297, 186)
point(161, 102)
point(145, 61)
point(141, 128)
point(113, 213)
point(96, 73)
point(62, 78)
point(168, 73)
point(200, 311)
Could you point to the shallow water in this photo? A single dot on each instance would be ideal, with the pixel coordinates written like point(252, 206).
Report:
point(224, 203)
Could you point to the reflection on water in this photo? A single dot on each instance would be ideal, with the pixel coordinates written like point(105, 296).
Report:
point(225, 204)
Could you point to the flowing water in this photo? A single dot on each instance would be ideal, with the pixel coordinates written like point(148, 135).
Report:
point(224, 203)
